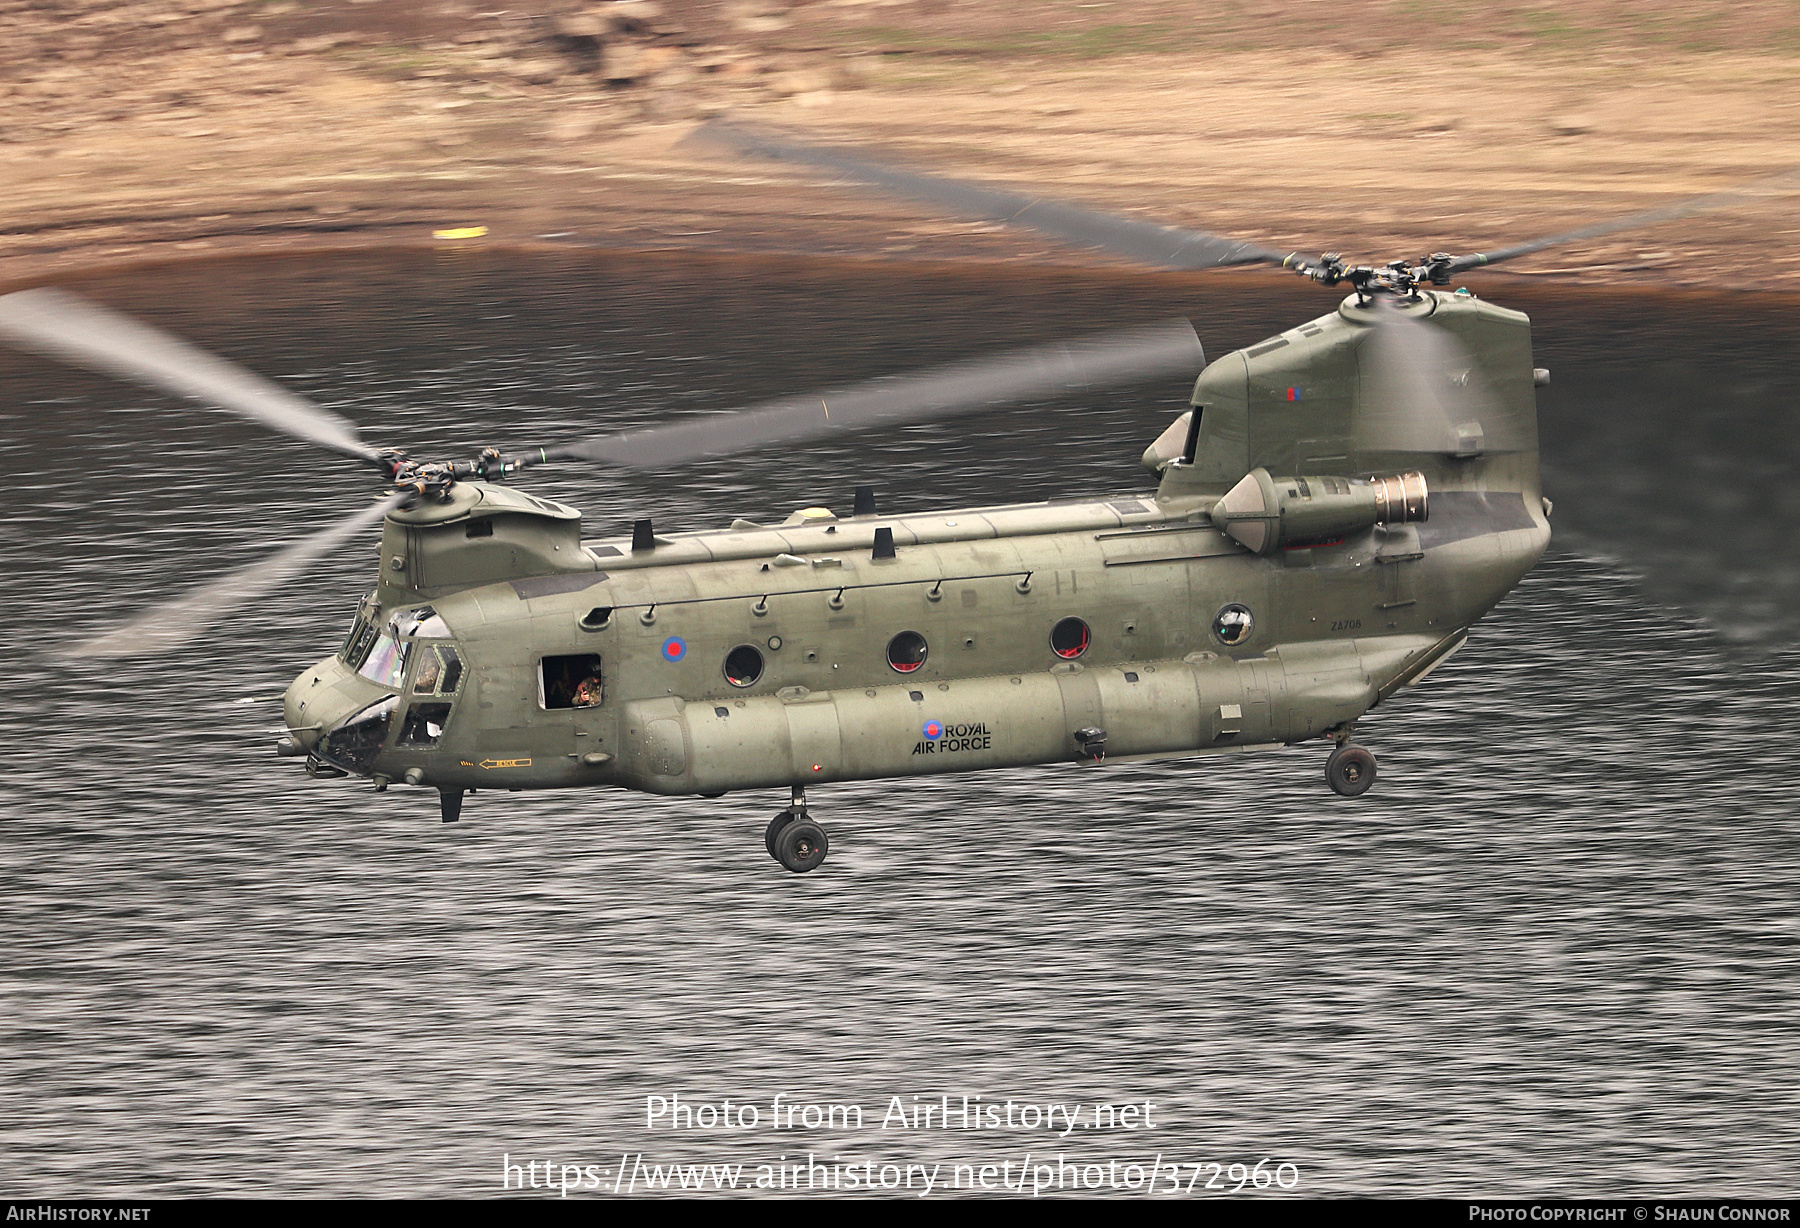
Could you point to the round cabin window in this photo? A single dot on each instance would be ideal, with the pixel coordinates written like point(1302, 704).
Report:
point(906, 651)
point(1233, 624)
point(743, 666)
point(1070, 638)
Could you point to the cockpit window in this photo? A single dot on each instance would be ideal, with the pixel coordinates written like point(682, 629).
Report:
point(424, 724)
point(431, 670)
point(356, 644)
point(380, 655)
point(453, 671)
point(357, 626)
point(354, 744)
point(386, 663)
point(439, 670)
point(422, 622)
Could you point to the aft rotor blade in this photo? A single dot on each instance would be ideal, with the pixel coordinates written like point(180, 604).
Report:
point(1425, 393)
point(1131, 356)
point(176, 622)
point(61, 326)
point(1784, 184)
point(1168, 247)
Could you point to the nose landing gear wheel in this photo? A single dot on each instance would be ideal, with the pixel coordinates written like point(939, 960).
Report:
point(801, 845)
point(1350, 771)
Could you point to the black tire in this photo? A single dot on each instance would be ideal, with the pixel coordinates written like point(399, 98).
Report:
point(1350, 771)
point(801, 846)
point(775, 825)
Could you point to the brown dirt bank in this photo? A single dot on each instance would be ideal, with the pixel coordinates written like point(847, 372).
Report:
point(132, 130)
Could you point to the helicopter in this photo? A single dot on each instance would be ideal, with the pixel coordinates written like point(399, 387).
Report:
point(1334, 512)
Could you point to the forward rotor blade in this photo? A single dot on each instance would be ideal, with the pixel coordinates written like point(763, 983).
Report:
point(1133, 355)
point(1425, 393)
point(1784, 184)
point(61, 326)
point(180, 620)
point(1168, 247)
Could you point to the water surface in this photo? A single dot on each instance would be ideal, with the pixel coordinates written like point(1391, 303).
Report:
point(1553, 952)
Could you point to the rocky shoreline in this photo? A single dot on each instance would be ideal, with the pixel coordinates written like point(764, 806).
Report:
point(133, 131)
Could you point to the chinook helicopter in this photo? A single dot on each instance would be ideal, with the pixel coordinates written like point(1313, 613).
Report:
point(1340, 504)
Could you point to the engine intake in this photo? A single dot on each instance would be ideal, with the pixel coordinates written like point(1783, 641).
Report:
point(1265, 513)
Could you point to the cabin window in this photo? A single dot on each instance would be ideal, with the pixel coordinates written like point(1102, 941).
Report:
point(1233, 624)
point(1070, 638)
point(743, 666)
point(573, 681)
point(906, 652)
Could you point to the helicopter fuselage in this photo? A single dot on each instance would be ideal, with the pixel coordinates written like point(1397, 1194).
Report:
point(828, 649)
point(982, 678)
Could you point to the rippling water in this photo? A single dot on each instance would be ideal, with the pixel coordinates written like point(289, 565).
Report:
point(1555, 950)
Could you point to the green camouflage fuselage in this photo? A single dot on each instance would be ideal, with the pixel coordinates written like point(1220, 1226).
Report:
point(1334, 625)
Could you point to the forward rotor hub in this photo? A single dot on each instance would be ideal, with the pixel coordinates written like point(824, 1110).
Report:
point(435, 479)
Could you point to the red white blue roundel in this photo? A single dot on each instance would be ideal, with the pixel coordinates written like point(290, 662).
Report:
point(934, 730)
point(674, 648)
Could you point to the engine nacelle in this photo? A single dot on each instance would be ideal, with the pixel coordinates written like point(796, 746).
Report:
point(1265, 513)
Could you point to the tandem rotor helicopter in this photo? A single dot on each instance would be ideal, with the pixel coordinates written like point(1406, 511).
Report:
point(1338, 507)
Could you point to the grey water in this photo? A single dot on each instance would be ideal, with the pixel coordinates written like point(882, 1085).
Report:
point(1555, 951)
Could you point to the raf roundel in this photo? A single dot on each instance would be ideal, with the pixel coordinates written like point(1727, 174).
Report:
point(674, 648)
point(934, 730)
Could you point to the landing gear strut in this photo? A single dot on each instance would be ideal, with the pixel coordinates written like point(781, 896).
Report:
point(1350, 770)
point(795, 840)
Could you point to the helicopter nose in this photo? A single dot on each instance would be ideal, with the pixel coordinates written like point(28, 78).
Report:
point(315, 702)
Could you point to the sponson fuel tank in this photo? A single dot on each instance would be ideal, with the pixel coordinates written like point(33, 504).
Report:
point(1205, 701)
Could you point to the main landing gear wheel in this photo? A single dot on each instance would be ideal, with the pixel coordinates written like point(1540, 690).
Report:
point(1350, 770)
point(775, 825)
point(801, 845)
